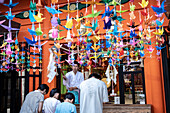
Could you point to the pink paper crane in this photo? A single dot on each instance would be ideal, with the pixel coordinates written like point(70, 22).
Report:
point(9, 39)
point(55, 33)
point(8, 51)
point(150, 49)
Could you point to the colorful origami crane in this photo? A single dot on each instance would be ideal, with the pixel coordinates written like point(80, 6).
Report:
point(38, 18)
point(144, 3)
point(160, 9)
point(11, 5)
point(52, 10)
point(92, 15)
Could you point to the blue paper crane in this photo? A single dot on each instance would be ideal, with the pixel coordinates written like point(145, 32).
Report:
point(159, 23)
point(132, 34)
point(115, 30)
point(32, 32)
point(142, 54)
point(31, 17)
point(33, 41)
point(11, 5)
point(108, 44)
point(159, 48)
point(9, 16)
point(88, 47)
point(107, 25)
point(107, 12)
point(159, 10)
point(52, 10)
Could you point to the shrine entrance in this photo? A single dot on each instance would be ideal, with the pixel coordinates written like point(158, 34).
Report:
point(132, 84)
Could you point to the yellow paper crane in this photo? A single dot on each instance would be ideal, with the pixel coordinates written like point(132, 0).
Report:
point(92, 2)
point(149, 36)
point(3, 45)
point(38, 17)
point(95, 48)
point(140, 35)
point(144, 3)
point(78, 19)
point(159, 32)
point(69, 23)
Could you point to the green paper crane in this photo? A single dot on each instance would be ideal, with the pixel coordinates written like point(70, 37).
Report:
point(38, 30)
point(12, 47)
point(114, 2)
point(132, 7)
point(93, 14)
point(32, 6)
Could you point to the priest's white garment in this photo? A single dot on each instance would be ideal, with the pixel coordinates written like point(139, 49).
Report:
point(93, 92)
point(73, 80)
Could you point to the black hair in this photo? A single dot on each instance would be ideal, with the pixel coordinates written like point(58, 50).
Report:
point(53, 91)
point(43, 86)
point(95, 75)
point(69, 96)
point(75, 62)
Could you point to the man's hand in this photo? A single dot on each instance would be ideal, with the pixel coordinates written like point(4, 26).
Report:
point(72, 88)
point(64, 77)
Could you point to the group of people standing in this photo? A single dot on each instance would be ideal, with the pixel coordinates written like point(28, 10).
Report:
point(90, 93)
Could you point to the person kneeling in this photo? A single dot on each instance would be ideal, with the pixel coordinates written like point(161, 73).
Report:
point(67, 106)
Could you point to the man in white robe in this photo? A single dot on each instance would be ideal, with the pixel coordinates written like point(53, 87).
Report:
point(72, 81)
point(93, 93)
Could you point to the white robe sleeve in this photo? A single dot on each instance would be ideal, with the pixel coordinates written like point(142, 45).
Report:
point(81, 80)
point(105, 93)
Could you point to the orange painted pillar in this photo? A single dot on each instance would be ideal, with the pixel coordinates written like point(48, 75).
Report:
point(153, 84)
